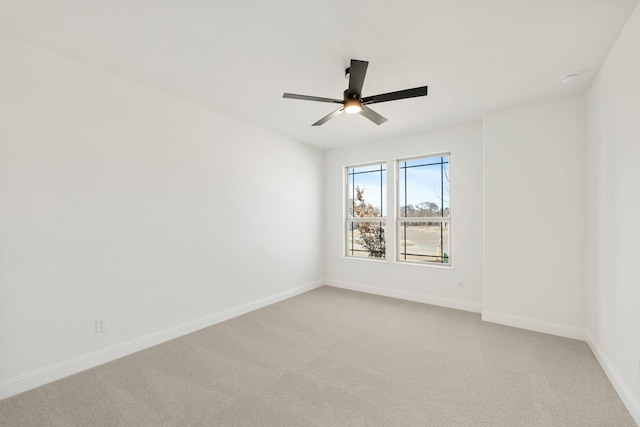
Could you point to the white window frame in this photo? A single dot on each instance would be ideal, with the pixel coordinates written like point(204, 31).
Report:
point(400, 221)
point(350, 220)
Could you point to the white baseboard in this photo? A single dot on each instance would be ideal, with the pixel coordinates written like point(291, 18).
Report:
point(632, 404)
point(534, 325)
point(409, 296)
point(57, 371)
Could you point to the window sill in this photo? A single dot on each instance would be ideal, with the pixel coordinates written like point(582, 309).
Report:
point(419, 265)
point(366, 259)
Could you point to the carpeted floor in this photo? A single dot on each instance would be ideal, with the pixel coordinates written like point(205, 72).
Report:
point(332, 357)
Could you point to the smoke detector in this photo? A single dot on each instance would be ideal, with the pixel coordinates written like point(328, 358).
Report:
point(570, 78)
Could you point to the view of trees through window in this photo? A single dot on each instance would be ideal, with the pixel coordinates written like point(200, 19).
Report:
point(366, 201)
point(423, 226)
point(422, 216)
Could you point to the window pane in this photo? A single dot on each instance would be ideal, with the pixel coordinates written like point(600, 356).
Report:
point(445, 186)
point(366, 197)
point(426, 242)
point(366, 239)
point(424, 187)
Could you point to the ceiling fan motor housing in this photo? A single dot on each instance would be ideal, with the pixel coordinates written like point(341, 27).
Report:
point(348, 95)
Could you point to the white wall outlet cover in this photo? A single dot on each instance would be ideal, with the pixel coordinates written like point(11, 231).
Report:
point(101, 325)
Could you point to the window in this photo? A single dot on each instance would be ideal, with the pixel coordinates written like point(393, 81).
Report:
point(366, 199)
point(423, 225)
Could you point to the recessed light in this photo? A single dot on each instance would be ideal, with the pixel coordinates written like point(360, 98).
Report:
point(570, 78)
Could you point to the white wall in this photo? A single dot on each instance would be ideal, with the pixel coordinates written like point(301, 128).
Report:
point(429, 284)
point(535, 216)
point(120, 202)
point(613, 106)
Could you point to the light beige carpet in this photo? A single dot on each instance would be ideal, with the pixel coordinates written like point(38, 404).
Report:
point(332, 357)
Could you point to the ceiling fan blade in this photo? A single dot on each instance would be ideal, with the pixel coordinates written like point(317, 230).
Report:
point(311, 98)
point(392, 96)
point(372, 115)
point(357, 72)
point(328, 117)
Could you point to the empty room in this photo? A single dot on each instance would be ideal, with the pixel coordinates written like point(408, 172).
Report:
point(319, 213)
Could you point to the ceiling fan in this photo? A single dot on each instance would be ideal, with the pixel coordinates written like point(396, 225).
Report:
point(353, 101)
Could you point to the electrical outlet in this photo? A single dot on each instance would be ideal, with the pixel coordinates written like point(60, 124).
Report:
point(101, 325)
point(460, 285)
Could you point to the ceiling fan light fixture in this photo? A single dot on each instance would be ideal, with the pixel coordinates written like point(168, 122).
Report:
point(352, 106)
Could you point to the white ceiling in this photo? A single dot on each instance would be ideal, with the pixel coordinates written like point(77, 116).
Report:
point(238, 57)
